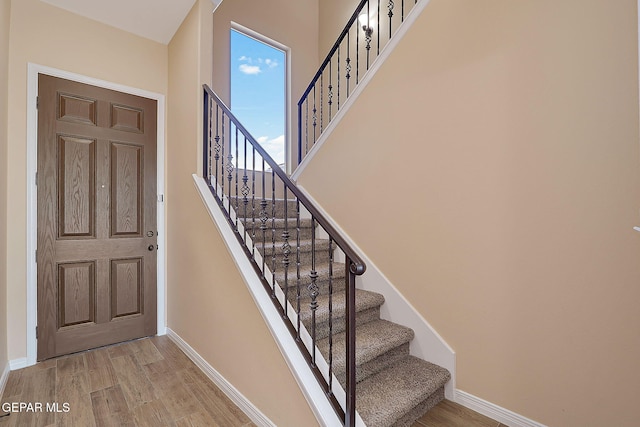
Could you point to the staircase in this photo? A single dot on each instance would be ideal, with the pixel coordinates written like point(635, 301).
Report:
point(393, 387)
point(361, 362)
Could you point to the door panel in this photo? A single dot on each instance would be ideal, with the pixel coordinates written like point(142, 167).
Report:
point(96, 217)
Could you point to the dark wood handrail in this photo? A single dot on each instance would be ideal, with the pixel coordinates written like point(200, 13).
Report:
point(357, 265)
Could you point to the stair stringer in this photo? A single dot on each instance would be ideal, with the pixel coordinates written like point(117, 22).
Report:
point(313, 393)
point(386, 51)
point(427, 343)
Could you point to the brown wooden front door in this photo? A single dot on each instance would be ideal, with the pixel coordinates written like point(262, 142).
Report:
point(96, 217)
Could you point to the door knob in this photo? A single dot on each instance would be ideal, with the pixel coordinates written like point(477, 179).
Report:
point(151, 247)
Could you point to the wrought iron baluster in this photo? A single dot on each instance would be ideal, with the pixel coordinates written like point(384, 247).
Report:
point(237, 194)
point(245, 190)
point(298, 268)
point(222, 167)
point(263, 218)
point(273, 234)
point(357, 54)
point(350, 344)
point(217, 145)
point(402, 13)
point(313, 290)
point(367, 35)
point(209, 164)
point(253, 202)
point(390, 7)
point(330, 93)
point(321, 100)
point(315, 116)
point(378, 27)
point(230, 162)
point(330, 313)
point(306, 128)
point(348, 61)
point(286, 251)
point(338, 76)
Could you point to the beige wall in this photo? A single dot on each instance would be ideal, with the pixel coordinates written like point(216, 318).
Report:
point(49, 36)
point(497, 153)
point(291, 23)
point(208, 302)
point(333, 16)
point(5, 11)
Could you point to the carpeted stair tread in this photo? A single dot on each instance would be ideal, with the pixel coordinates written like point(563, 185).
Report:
point(373, 339)
point(386, 397)
point(364, 301)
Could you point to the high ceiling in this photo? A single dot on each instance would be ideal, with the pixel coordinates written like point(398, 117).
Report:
point(153, 19)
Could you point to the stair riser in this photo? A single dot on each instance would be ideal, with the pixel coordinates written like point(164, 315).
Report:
point(338, 323)
point(374, 366)
point(305, 234)
point(337, 285)
point(305, 258)
point(422, 408)
point(255, 206)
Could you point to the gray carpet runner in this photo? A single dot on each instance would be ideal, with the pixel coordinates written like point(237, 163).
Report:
point(393, 387)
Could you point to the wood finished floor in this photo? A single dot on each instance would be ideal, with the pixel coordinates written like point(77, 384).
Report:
point(149, 382)
point(449, 414)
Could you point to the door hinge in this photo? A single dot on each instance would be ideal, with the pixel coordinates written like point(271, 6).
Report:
point(36, 256)
point(36, 332)
point(36, 178)
point(37, 102)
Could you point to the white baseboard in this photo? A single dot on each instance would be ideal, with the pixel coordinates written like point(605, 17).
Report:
point(227, 388)
point(494, 411)
point(20, 363)
point(3, 378)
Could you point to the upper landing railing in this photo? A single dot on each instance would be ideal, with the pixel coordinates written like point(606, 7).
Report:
point(368, 31)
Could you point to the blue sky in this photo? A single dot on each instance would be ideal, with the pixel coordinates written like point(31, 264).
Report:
point(257, 91)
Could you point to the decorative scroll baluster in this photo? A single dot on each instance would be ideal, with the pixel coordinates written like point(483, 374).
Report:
point(217, 145)
point(313, 290)
point(263, 219)
point(286, 251)
point(390, 7)
point(209, 164)
point(330, 93)
point(315, 115)
point(367, 36)
point(253, 202)
point(245, 189)
point(273, 234)
point(348, 61)
point(230, 166)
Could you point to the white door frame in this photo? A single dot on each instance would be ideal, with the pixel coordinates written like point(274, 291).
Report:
point(32, 196)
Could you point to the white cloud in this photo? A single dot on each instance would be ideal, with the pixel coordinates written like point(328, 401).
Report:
point(262, 139)
point(271, 63)
point(245, 58)
point(250, 69)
